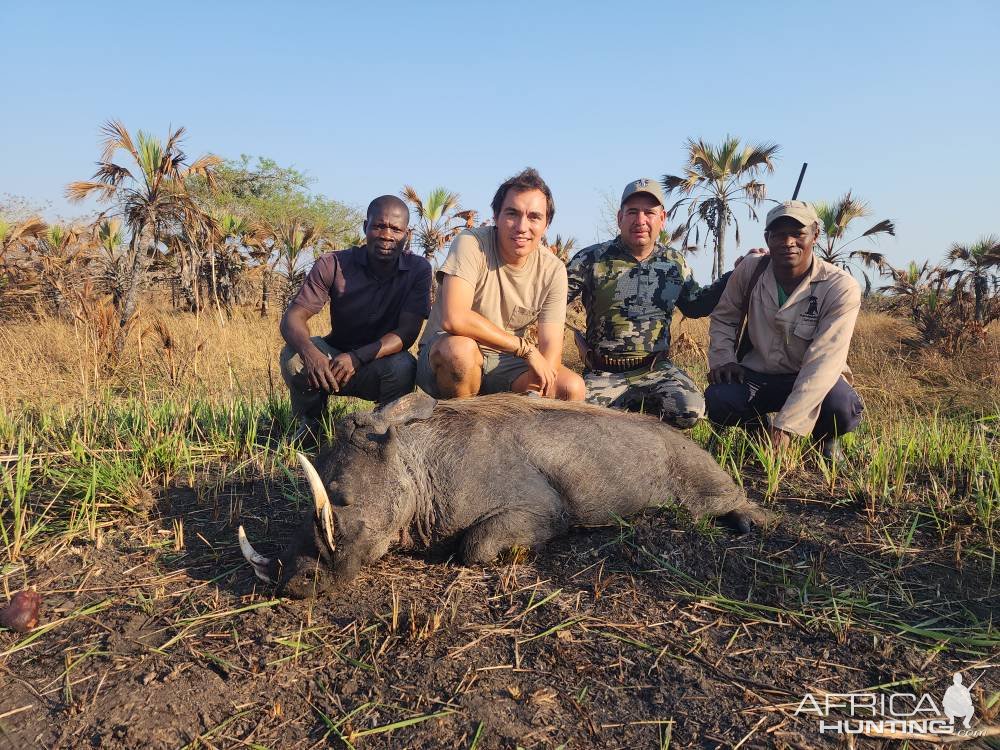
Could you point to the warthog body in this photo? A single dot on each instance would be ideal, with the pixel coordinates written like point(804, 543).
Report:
point(486, 474)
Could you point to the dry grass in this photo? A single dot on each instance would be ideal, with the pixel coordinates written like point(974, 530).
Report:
point(49, 361)
point(122, 487)
point(891, 372)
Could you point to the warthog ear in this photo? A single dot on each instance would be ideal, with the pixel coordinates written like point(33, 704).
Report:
point(413, 407)
point(362, 427)
point(386, 442)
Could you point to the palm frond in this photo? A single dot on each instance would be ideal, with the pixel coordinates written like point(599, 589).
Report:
point(411, 195)
point(760, 156)
point(979, 256)
point(468, 217)
point(150, 159)
point(958, 253)
point(111, 173)
point(203, 166)
point(78, 191)
point(109, 233)
point(886, 226)
point(704, 160)
point(755, 191)
point(174, 139)
point(848, 208)
point(874, 260)
point(440, 202)
point(673, 182)
point(116, 136)
point(30, 228)
point(675, 235)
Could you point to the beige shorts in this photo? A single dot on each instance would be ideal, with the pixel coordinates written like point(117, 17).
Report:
point(500, 369)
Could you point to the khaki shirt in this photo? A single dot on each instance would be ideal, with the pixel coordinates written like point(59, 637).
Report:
point(510, 298)
point(810, 335)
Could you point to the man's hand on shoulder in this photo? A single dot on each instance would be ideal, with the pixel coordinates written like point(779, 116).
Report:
point(753, 251)
point(731, 372)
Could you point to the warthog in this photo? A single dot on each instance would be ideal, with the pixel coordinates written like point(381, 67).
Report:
point(487, 473)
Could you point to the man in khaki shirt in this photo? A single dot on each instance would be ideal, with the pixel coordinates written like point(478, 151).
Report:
point(496, 282)
point(800, 317)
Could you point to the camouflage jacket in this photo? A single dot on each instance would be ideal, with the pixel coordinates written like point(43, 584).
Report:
point(630, 303)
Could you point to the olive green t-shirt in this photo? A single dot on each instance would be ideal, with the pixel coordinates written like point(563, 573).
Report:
point(510, 298)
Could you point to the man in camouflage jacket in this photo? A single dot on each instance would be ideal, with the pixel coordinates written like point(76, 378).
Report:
point(630, 286)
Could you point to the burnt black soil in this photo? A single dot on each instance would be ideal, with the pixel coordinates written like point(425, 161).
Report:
point(660, 633)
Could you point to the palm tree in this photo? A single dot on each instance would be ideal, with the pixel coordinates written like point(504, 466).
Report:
point(61, 256)
point(977, 260)
point(561, 248)
point(148, 198)
point(109, 241)
point(14, 234)
point(834, 219)
point(221, 234)
point(233, 233)
point(187, 243)
point(293, 238)
point(675, 238)
point(920, 290)
point(262, 244)
point(435, 215)
point(915, 284)
point(715, 179)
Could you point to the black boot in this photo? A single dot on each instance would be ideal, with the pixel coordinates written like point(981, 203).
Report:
point(756, 425)
point(308, 432)
point(830, 449)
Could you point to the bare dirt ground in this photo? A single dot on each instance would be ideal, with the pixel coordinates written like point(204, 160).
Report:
point(657, 634)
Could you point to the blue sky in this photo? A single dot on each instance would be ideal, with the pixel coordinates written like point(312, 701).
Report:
point(897, 101)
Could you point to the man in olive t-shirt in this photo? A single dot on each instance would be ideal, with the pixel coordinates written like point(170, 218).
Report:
point(496, 282)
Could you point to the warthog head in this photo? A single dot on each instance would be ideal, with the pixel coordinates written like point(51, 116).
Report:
point(359, 492)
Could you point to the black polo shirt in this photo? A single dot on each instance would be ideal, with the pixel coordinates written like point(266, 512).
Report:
point(363, 308)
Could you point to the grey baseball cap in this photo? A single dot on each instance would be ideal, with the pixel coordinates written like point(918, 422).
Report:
point(644, 185)
point(801, 211)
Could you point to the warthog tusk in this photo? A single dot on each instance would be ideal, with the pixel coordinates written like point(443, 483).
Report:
point(327, 519)
point(320, 498)
point(315, 484)
point(256, 560)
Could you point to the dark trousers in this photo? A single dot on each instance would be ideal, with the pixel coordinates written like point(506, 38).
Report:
point(383, 380)
point(759, 394)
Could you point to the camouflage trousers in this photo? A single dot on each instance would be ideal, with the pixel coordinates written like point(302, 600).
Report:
point(664, 390)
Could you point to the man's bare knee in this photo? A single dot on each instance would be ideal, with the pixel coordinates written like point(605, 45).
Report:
point(456, 362)
point(570, 386)
point(455, 353)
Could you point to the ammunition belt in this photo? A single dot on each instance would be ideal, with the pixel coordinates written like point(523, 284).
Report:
point(624, 364)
